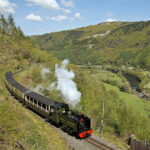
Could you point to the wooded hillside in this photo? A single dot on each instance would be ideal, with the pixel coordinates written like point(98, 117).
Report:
point(118, 43)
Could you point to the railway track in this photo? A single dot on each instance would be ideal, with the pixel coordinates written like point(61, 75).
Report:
point(89, 140)
point(97, 144)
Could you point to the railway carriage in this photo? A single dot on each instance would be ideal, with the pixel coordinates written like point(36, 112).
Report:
point(59, 113)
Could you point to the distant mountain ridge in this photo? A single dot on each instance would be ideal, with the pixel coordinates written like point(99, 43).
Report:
point(119, 43)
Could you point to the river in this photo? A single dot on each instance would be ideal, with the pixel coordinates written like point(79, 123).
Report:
point(133, 80)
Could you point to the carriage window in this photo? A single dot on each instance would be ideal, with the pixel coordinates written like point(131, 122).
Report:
point(39, 103)
point(47, 107)
point(31, 99)
point(44, 106)
point(28, 97)
point(35, 101)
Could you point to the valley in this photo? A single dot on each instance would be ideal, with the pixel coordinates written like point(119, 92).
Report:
point(109, 69)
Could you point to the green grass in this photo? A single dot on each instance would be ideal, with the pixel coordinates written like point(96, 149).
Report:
point(18, 123)
point(138, 104)
point(147, 85)
point(105, 75)
point(19, 77)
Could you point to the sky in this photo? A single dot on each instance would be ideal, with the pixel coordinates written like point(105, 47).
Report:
point(46, 16)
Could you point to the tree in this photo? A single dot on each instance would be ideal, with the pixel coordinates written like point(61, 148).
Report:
point(11, 24)
point(102, 120)
point(36, 75)
point(20, 31)
point(3, 23)
point(126, 87)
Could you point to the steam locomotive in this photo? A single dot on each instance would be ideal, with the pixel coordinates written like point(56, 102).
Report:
point(59, 114)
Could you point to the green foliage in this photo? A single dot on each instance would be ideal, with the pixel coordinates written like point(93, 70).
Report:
point(36, 74)
point(127, 56)
point(120, 114)
point(3, 23)
point(16, 122)
point(143, 58)
point(132, 27)
point(11, 24)
point(126, 87)
point(19, 124)
point(126, 44)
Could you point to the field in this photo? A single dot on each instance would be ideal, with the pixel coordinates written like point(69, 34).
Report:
point(104, 75)
point(133, 101)
point(147, 85)
point(138, 104)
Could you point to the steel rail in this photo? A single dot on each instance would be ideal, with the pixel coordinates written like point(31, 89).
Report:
point(98, 144)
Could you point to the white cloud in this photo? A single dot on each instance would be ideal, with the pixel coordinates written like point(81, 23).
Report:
point(67, 11)
point(67, 3)
point(7, 7)
point(59, 18)
point(111, 20)
point(33, 17)
point(50, 4)
point(77, 15)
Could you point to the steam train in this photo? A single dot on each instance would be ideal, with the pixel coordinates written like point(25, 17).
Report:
point(59, 114)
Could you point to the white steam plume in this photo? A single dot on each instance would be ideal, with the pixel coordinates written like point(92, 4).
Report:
point(65, 84)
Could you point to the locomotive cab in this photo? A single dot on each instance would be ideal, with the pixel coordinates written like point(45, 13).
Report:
point(55, 111)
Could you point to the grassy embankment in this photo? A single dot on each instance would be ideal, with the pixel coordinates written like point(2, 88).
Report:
point(18, 124)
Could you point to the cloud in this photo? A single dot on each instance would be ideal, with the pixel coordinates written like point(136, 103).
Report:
point(111, 20)
point(7, 7)
point(67, 11)
point(50, 4)
point(77, 15)
point(33, 17)
point(59, 18)
point(67, 3)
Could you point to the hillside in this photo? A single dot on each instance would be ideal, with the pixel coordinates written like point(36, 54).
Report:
point(119, 43)
point(18, 125)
